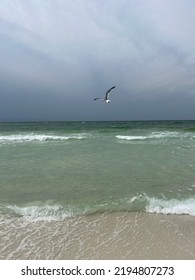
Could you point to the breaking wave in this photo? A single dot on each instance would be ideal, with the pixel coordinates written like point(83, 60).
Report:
point(154, 135)
point(19, 138)
point(123, 137)
point(143, 203)
point(173, 206)
point(43, 212)
point(165, 206)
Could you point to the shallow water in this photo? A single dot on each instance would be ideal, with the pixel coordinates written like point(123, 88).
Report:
point(116, 235)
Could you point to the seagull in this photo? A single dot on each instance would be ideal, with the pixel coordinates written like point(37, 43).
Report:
point(106, 98)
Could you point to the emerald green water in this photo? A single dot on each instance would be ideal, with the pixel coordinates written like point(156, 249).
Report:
point(82, 167)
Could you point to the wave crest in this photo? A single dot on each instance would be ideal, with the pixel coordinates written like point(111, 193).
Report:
point(153, 135)
point(172, 206)
point(39, 211)
point(125, 137)
point(19, 138)
point(43, 212)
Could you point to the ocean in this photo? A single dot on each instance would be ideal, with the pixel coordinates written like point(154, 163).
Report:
point(66, 185)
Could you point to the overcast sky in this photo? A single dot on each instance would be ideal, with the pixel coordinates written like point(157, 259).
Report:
point(57, 56)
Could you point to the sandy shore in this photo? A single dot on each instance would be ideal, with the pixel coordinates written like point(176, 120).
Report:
point(115, 235)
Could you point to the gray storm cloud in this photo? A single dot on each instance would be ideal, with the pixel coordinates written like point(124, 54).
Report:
point(56, 56)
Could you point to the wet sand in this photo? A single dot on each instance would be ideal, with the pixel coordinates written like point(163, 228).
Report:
point(117, 235)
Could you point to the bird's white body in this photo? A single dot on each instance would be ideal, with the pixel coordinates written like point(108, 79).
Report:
point(106, 96)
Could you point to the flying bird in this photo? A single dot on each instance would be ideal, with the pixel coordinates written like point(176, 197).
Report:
point(106, 98)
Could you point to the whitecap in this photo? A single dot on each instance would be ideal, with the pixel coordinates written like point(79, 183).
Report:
point(172, 206)
point(126, 137)
point(153, 135)
point(19, 138)
point(40, 212)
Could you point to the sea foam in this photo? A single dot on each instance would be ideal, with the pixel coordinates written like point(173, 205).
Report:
point(125, 137)
point(141, 202)
point(40, 212)
point(19, 138)
point(162, 205)
point(153, 135)
point(172, 206)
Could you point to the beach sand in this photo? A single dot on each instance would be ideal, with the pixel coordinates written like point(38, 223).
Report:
point(116, 235)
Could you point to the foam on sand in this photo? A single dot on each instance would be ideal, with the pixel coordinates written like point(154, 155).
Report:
point(115, 235)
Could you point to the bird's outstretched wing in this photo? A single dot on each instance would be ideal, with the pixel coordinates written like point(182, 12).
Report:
point(97, 98)
point(108, 92)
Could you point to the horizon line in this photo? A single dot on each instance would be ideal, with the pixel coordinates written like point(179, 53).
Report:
point(61, 121)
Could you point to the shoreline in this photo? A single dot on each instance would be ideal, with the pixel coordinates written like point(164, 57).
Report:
point(106, 236)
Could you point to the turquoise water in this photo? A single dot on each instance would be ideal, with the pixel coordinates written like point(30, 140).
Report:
point(75, 168)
